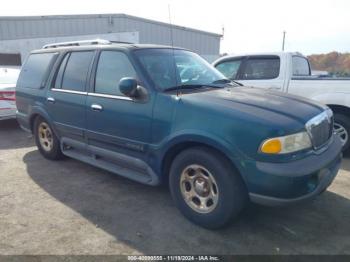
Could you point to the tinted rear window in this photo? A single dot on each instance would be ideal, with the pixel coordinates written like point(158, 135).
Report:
point(34, 71)
point(76, 71)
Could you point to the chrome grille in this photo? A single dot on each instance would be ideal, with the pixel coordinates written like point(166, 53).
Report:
point(320, 128)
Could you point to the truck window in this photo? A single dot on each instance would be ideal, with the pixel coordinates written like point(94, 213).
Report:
point(229, 68)
point(300, 66)
point(58, 80)
point(34, 71)
point(261, 68)
point(112, 66)
point(76, 70)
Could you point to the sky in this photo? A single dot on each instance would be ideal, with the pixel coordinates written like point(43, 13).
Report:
point(312, 26)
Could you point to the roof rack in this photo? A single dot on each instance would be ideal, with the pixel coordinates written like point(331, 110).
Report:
point(79, 43)
point(120, 42)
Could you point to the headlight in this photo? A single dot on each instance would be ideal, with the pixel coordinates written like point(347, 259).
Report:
point(286, 144)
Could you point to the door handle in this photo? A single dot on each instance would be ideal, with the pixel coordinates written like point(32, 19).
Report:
point(96, 107)
point(51, 99)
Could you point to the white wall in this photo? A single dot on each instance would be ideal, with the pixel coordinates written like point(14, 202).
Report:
point(24, 46)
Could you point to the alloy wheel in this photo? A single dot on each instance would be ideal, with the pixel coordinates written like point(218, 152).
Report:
point(199, 189)
point(342, 132)
point(45, 136)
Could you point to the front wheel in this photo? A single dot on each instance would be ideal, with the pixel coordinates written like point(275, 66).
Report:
point(206, 188)
point(342, 128)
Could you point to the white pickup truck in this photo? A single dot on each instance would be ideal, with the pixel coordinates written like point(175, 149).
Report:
point(291, 73)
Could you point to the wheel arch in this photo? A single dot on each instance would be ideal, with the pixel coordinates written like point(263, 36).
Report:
point(176, 148)
point(32, 121)
point(38, 112)
point(340, 109)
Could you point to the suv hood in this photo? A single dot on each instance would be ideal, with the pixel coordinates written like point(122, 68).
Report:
point(250, 99)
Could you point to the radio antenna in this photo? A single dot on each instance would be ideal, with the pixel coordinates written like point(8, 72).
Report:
point(171, 26)
point(172, 47)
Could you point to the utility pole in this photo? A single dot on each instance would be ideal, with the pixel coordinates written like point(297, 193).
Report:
point(284, 38)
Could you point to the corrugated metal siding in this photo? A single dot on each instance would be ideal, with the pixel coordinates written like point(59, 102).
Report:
point(149, 31)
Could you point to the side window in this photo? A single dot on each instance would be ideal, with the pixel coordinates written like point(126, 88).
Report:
point(229, 68)
point(300, 66)
point(261, 68)
point(35, 70)
point(112, 66)
point(75, 71)
point(58, 81)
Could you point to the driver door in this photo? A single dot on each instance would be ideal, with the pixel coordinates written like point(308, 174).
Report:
point(114, 121)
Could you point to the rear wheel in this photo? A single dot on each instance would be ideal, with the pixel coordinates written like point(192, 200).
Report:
point(45, 139)
point(342, 128)
point(206, 188)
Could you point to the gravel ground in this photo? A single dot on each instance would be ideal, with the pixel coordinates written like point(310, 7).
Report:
point(68, 207)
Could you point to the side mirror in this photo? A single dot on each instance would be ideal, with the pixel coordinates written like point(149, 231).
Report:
point(128, 86)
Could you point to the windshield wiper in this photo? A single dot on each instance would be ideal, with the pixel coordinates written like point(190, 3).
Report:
point(222, 81)
point(192, 86)
point(226, 81)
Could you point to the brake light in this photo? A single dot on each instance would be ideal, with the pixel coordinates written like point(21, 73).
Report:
point(8, 95)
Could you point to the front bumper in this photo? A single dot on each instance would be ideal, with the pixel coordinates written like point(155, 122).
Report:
point(298, 180)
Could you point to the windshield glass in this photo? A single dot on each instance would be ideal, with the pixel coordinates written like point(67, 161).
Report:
point(168, 68)
point(8, 75)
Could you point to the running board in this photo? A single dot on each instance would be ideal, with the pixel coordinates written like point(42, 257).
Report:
point(120, 164)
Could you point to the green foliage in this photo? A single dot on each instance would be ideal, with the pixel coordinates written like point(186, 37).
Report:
point(337, 64)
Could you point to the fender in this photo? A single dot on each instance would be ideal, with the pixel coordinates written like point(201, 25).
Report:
point(333, 98)
point(195, 136)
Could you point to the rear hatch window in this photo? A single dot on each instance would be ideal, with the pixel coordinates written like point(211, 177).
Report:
point(35, 70)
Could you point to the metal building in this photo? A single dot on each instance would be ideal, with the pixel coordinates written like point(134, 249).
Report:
point(20, 35)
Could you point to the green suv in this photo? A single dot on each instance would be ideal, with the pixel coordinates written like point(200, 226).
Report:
point(158, 114)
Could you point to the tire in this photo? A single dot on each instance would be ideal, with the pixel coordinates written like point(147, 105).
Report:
point(191, 173)
point(342, 126)
point(46, 141)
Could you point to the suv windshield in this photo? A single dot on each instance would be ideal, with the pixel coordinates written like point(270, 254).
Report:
point(190, 70)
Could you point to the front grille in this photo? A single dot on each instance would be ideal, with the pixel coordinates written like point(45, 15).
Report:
point(320, 133)
point(320, 129)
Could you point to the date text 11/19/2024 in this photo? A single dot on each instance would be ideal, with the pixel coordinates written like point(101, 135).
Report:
point(174, 258)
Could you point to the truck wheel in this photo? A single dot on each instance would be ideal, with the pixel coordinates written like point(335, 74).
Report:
point(46, 141)
point(342, 127)
point(206, 188)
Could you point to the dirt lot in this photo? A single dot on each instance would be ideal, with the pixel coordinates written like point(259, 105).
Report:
point(68, 207)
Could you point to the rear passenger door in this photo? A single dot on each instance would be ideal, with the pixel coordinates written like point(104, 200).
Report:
point(262, 71)
point(67, 97)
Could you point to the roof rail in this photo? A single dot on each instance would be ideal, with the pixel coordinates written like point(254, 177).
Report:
point(78, 43)
point(120, 42)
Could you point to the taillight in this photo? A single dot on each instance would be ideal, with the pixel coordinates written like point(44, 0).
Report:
point(8, 95)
